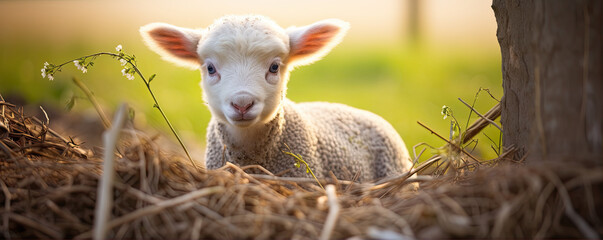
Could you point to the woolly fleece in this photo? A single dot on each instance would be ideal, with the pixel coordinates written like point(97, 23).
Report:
point(329, 137)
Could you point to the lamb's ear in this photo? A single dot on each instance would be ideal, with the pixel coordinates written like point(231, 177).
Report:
point(175, 44)
point(310, 43)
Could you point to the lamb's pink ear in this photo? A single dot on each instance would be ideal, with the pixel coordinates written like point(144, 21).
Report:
point(175, 44)
point(310, 43)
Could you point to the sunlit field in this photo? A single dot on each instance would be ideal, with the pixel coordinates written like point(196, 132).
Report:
point(400, 80)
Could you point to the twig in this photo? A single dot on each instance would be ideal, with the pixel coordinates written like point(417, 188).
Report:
point(414, 151)
point(44, 130)
point(334, 208)
point(92, 99)
point(104, 196)
point(45, 115)
point(447, 141)
point(480, 124)
point(78, 150)
point(479, 114)
point(250, 178)
point(489, 93)
point(7, 150)
point(257, 167)
point(401, 178)
point(4, 130)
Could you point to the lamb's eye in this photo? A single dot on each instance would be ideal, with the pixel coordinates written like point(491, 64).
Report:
point(274, 68)
point(211, 69)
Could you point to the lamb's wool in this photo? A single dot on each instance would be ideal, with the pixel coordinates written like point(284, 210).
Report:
point(328, 136)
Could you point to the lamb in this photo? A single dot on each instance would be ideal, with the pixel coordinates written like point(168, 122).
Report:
point(245, 63)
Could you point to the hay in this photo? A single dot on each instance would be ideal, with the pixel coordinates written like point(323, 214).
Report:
point(49, 190)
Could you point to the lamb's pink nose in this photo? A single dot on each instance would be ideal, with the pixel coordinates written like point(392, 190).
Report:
point(242, 109)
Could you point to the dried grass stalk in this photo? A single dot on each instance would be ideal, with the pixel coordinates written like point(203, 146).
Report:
point(49, 190)
point(104, 202)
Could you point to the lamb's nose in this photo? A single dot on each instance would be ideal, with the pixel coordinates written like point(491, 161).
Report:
point(242, 102)
point(242, 109)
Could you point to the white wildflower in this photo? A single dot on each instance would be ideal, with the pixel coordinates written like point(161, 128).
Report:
point(44, 70)
point(123, 61)
point(50, 77)
point(128, 75)
point(79, 66)
point(118, 48)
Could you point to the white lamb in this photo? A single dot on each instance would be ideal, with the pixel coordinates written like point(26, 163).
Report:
point(245, 63)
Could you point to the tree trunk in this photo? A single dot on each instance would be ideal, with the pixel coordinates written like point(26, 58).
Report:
point(552, 68)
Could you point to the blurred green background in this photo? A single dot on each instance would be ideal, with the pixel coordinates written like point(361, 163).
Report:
point(402, 60)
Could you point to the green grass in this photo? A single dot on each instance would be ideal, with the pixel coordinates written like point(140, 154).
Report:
point(401, 84)
point(405, 86)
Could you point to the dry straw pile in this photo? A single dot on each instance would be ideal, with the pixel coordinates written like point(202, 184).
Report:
point(49, 190)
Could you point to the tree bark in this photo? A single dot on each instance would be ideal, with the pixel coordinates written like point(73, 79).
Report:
point(552, 65)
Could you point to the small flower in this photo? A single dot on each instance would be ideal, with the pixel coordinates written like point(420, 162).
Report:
point(79, 66)
point(50, 77)
point(123, 62)
point(118, 48)
point(44, 70)
point(126, 72)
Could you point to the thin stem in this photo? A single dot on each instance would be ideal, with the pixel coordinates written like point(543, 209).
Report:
point(482, 116)
point(92, 99)
point(299, 159)
point(147, 84)
point(449, 142)
point(87, 56)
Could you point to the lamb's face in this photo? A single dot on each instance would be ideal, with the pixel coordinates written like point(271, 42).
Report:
point(244, 69)
point(244, 60)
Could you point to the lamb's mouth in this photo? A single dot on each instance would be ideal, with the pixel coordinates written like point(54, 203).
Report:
point(243, 117)
point(242, 121)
